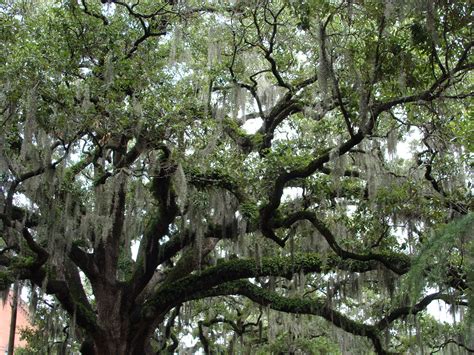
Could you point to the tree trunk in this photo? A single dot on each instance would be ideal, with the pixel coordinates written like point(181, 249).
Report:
point(111, 347)
point(117, 333)
point(119, 340)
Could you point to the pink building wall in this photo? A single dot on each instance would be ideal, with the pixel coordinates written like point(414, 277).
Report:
point(22, 321)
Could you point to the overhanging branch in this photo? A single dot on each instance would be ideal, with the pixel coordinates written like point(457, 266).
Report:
point(316, 307)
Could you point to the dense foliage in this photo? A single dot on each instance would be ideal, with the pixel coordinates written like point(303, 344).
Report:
point(239, 176)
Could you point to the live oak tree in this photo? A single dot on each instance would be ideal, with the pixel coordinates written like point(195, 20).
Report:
point(261, 175)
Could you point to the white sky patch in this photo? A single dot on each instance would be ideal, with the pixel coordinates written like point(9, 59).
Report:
point(411, 145)
point(135, 244)
point(351, 209)
point(108, 9)
point(285, 132)
point(190, 341)
point(85, 71)
point(291, 193)
point(252, 126)
point(440, 311)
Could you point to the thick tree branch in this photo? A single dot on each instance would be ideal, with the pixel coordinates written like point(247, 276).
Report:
point(149, 250)
point(274, 197)
point(171, 294)
point(316, 307)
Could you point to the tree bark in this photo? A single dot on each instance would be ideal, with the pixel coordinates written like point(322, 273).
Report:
point(107, 346)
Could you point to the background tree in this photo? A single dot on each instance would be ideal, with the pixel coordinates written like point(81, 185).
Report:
point(175, 168)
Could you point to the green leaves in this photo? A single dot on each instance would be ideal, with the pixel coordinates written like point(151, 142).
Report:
point(447, 248)
point(310, 146)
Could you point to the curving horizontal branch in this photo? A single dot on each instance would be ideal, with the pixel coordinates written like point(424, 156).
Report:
point(175, 292)
point(318, 307)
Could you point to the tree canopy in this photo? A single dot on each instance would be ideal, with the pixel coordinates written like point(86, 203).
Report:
point(246, 176)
